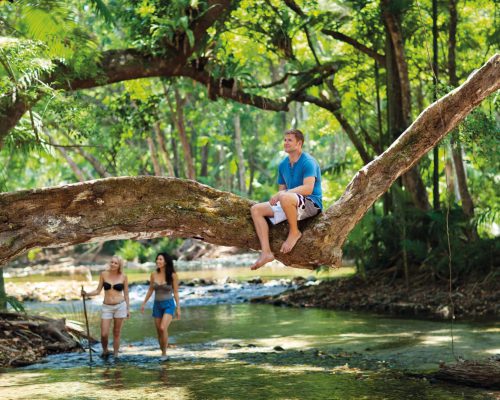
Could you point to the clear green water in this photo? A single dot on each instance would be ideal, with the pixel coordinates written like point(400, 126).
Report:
point(228, 352)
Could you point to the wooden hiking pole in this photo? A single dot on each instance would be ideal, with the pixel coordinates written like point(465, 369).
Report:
point(87, 323)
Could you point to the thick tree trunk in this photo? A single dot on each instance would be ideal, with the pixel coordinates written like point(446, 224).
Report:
point(456, 148)
point(397, 122)
point(435, 70)
point(452, 43)
point(393, 26)
point(146, 207)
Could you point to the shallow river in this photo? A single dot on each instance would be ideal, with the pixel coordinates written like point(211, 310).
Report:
point(232, 349)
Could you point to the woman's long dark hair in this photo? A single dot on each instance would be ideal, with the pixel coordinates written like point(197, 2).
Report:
point(169, 267)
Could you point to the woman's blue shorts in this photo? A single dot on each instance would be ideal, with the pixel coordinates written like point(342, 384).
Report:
point(163, 307)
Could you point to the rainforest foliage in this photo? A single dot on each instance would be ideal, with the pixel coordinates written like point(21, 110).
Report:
point(204, 89)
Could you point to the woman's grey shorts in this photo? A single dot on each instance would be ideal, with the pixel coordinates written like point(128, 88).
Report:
point(110, 311)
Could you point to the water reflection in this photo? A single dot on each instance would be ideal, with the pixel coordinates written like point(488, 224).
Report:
point(163, 374)
point(113, 378)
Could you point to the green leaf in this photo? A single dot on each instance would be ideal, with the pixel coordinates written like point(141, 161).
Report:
point(190, 36)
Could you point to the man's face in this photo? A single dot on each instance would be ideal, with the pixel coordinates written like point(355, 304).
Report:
point(291, 144)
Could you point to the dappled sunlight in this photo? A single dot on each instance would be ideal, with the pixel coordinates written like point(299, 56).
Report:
point(290, 369)
point(288, 342)
point(430, 340)
point(374, 335)
point(491, 329)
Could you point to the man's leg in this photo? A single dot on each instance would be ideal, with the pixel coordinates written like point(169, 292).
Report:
point(288, 203)
point(259, 213)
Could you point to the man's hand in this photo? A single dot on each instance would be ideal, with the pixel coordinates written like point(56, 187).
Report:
point(274, 200)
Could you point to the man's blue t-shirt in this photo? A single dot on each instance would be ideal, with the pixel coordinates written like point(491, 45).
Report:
point(293, 176)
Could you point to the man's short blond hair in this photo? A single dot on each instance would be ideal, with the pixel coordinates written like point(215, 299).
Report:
point(297, 133)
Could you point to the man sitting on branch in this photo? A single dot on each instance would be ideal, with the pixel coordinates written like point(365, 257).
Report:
point(299, 197)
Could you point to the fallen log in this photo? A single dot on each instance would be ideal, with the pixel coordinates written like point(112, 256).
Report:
point(485, 373)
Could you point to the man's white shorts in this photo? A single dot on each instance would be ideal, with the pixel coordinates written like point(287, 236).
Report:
point(305, 209)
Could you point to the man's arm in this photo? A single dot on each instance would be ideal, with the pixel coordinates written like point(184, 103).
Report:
point(306, 188)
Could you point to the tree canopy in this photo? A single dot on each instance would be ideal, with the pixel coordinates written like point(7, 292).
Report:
point(203, 90)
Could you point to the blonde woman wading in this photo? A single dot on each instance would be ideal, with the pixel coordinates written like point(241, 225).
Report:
point(165, 283)
point(115, 306)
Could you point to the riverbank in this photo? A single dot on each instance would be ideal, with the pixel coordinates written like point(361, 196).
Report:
point(68, 290)
point(26, 339)
point(425, 299)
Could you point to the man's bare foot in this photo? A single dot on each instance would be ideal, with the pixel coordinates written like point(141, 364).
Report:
point(290, 241)
point(263, 259)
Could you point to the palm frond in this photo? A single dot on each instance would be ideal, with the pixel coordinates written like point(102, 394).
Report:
point(102, 9)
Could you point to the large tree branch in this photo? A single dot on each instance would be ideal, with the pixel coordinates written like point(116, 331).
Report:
point(147, 207)
point(380, 58)
point(122, 65)
point(431, 126)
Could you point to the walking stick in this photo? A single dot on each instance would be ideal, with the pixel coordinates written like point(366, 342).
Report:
point(87, 323)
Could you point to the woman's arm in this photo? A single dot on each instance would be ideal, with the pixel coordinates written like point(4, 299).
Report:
point(149, 293)
point(125, 294)
point(98, 290)
point(175, 285)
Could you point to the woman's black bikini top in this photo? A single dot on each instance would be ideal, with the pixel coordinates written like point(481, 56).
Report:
point(117, 286)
